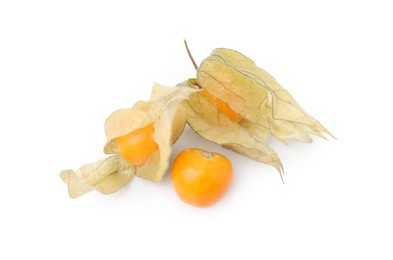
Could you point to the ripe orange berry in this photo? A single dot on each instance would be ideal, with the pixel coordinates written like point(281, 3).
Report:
point(136, 147)
point(201, 178)
point(222, 106)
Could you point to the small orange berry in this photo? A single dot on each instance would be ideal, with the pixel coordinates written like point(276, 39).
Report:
point(222, 106)
point(136, 147)
point(201, 178)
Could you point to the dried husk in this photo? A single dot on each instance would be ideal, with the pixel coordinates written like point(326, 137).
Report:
point(168, 117)
point(254, 94)
point(266, 107)
point(113, 173)
point(205, 119)
point(106, 176)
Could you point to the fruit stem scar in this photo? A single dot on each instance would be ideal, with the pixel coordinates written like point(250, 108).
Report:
point(190, 55)
point(207, 154)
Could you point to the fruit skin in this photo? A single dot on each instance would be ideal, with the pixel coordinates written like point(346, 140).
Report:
point(201, 178)
point(136, 146)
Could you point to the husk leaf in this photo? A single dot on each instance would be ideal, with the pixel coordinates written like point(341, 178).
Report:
point(254, 94)
point(113, 173)
point(204, 118)
point(251, 92)
point(169, 120)
point(106, 176)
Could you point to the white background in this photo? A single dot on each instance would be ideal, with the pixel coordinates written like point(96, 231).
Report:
point(66, 65)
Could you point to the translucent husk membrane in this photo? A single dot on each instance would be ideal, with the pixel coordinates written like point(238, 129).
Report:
point(113, 173)
point(251, 92)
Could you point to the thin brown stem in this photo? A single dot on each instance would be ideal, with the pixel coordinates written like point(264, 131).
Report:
point(190, 56)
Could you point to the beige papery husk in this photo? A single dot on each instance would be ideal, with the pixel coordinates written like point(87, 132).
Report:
point(251, 92)
point(163, 110)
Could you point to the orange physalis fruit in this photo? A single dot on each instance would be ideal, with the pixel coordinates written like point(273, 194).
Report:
point(136, 146)
point(201, 178)
point(222, 106)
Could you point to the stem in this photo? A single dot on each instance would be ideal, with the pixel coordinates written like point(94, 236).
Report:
point(190, 56)
point(207, 154)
